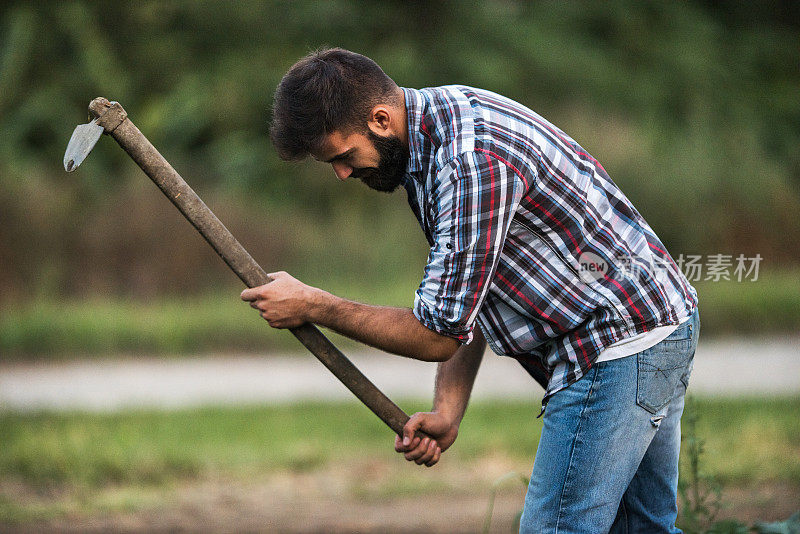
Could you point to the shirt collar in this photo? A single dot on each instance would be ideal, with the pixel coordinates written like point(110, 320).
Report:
point(415, 108)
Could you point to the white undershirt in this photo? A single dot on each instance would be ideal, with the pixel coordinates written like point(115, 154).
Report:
point(637, 343)
point(629, 345)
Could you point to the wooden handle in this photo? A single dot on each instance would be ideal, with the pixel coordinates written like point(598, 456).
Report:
point(113, 118)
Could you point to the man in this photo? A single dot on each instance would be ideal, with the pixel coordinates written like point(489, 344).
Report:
point(533, 249)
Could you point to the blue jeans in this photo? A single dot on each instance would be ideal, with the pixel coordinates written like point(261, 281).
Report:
point(608, 455)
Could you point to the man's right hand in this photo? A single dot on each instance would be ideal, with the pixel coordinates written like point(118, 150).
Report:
point(426, 451)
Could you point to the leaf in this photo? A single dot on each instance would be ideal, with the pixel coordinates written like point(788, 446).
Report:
point(789, 526)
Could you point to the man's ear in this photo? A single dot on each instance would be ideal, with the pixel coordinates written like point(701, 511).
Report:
point(380, 120)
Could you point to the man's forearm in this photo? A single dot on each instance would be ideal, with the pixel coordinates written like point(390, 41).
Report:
point(455, 378)
point(394, 330)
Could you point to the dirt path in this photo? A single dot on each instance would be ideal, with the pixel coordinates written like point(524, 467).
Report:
point(729, 367)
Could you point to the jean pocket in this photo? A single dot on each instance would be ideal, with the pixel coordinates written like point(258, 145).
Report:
point(680, 338)
point(659, 369)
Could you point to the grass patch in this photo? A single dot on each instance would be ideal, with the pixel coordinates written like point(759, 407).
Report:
point(169, 325)
point(750, 440)
point(117, 460)
point(13, 512)
point(769, 305)
point(153, 448)
point(221, 322)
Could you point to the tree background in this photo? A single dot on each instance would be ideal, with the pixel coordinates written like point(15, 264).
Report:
point(692, 107)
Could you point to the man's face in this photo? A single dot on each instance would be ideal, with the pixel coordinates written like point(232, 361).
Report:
point(378, 161)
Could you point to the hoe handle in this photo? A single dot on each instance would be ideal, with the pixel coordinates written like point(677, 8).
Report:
point(113, 118)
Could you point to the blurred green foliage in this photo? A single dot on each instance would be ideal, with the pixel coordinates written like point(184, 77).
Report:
point(692, 107)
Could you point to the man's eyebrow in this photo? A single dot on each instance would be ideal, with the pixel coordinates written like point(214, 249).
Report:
point(340, 156)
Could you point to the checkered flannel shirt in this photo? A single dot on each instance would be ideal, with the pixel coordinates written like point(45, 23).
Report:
point(516, 214)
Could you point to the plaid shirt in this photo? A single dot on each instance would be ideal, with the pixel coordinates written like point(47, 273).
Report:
point(529, 237)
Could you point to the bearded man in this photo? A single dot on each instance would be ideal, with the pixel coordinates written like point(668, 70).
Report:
point(533, 249)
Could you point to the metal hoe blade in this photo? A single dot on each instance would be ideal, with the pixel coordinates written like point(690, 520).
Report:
point(81, 143)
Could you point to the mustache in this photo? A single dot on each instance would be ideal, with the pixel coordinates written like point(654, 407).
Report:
point(362, 172)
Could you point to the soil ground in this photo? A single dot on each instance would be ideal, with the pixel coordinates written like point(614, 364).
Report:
point(309, 503)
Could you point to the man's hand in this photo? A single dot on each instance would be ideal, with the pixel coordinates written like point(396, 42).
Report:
point(454, 379)
point(426, 451)
point(285, 302)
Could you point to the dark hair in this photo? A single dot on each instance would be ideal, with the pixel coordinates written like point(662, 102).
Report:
point(328, 90)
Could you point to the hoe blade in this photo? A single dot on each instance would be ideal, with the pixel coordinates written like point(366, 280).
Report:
point(81, 143)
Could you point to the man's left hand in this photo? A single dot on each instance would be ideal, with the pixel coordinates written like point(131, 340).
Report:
point(285, 302)
point(427, 450)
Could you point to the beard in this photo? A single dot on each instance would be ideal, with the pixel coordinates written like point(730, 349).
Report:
point(392, 161)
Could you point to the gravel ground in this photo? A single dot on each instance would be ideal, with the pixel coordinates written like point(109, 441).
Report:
point(725, 367)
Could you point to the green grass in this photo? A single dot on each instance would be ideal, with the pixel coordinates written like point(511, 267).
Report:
point(750, 440)
point(156, 447)
point(771, 304)
point(221, 322)
point(169, 325)
point(74, 459)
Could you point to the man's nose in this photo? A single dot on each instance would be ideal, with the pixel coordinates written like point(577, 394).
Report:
point(342, 171)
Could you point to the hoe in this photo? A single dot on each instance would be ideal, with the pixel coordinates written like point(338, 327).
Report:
point(111, 118)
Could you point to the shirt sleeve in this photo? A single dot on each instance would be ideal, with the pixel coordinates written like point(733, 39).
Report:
point(472, 201)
